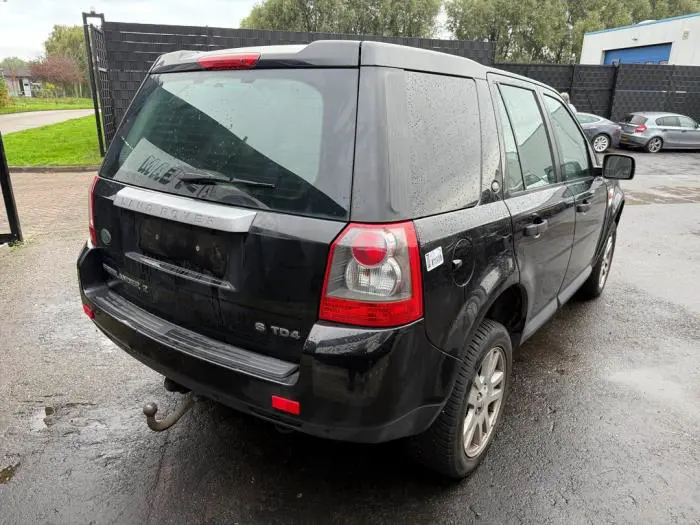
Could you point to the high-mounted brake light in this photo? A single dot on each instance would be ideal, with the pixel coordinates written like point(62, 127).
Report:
point(91, 211)
point(229, 61)
point(373, 277)
point(640, 129)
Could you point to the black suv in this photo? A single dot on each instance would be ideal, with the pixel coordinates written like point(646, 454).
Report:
point(346, 238)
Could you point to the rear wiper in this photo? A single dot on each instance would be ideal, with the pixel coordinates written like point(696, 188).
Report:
point(198, 179)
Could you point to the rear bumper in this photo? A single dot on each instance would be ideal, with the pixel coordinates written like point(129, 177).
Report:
point(352, 384)
point(633, 139)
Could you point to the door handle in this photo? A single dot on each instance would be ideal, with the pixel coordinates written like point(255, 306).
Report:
point(535, 229)
point(583, 207)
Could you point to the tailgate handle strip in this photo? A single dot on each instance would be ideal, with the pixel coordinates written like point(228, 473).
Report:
point(178, 271)
point(183, 209)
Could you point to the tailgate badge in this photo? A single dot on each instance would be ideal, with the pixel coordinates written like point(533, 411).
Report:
point(277, 330)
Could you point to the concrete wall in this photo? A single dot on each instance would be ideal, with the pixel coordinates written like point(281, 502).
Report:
point(682, 32)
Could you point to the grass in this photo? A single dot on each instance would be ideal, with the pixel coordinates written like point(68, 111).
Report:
point(69, 143)
point(22, 104)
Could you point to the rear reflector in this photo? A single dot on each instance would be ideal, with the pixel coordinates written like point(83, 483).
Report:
point(229, 61)
point(286, 405)
point(89, 311)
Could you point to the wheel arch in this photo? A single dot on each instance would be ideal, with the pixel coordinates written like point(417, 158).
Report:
point(509, 308)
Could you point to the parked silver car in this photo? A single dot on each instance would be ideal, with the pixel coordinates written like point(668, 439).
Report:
point(601, 132)
point(656, 130)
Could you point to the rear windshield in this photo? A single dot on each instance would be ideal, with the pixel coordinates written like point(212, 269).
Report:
point(634, 119)
point(279, 139)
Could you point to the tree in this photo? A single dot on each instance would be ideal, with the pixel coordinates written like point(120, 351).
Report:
point(550, 30)
point(12, 66)
point(69, 42)
point(375, 17)
point(61, 70)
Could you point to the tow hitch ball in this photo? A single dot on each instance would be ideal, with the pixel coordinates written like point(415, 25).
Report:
point(150, 409)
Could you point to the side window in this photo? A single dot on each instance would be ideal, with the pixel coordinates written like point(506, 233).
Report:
point(530, 136)
point(513, 173)
point(443, 141)
point(586, 119)
point(572, 145)
point(687, 122)
point(668, 121)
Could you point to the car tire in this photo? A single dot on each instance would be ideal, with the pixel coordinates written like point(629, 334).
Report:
point(654, 145)
point(601, 143)
point(441, 447)
point(595, 284)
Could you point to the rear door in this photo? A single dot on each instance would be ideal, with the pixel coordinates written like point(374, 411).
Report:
point(589, 192)
point(541, 207)
point(220, 197)
point(690, 133)
point(671, 131)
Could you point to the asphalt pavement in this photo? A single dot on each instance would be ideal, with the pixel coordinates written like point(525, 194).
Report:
point(34, 119)
point(601, 426)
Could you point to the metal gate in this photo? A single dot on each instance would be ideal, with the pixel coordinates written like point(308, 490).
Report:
point(100, 85)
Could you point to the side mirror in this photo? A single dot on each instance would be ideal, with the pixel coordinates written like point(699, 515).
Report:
point(618, 167)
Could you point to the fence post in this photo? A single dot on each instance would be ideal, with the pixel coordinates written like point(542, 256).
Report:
point(10, 206)
point(614, 92)
point(93, 83)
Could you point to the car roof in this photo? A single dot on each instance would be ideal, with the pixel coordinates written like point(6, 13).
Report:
point(346, 53)
point(656, 114)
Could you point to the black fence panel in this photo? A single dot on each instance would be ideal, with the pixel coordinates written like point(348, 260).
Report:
point(124, 52)
point(131, 49)
point(642, 87)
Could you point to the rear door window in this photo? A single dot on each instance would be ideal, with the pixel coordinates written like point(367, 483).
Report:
point(279, 139)
point(513, 172)
point(530, 136)
point(668, 121)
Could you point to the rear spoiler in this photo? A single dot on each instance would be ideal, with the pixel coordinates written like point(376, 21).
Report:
point(321, 53)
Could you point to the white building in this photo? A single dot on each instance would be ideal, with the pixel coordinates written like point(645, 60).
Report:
point(670, 41)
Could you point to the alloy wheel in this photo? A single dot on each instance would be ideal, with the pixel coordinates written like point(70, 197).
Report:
point(607, 260)
point(484, 402)
point(654, 145)
point(601, 143)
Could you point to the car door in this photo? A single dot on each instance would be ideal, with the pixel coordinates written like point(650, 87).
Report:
point(672, 133)
point(690, 133)
point(541, 206)
point(589, 192)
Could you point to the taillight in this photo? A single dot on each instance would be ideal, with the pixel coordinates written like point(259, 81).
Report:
point(640, 129)
point(91, 212)
point(373, 277)
point(229, 61)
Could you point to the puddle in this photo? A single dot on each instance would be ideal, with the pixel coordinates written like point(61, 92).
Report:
point(7, 473)
point(38, 421)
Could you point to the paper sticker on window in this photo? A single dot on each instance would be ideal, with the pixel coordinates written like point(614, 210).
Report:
point(434, 258)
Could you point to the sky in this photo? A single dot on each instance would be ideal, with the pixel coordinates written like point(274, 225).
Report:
point(25, 24)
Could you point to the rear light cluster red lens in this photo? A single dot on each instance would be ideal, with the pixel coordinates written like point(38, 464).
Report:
point(640, 129)
point(91, 212)
point(373, 277)
point(229, 61)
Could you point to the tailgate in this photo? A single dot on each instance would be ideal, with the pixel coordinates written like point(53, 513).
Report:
point(257, 287)
point(221, 195)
